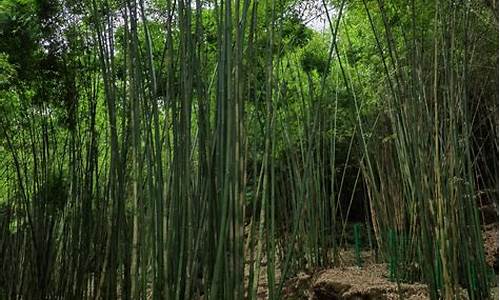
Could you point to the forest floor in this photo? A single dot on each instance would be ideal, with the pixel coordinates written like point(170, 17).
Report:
point(371, 281)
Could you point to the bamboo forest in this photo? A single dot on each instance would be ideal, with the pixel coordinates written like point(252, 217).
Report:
point(249, 149)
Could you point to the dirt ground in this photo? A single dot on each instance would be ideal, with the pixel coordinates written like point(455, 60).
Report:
point(367, 283)
point(371, 282)
point(490, 237)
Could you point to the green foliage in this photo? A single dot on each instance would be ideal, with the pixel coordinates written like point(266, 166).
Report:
point(8, 97)
point(7, 71)
point(295, 33)
point(19, 32)
point(315, 57)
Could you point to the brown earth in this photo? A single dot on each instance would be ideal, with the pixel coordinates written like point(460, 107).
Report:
point(371, 282)
point(352, 283)
point(490, 238)
point(368, 283)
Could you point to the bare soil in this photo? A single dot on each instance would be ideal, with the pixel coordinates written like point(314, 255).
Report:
point(490, 238)
point(371, 282)
point(352, 283)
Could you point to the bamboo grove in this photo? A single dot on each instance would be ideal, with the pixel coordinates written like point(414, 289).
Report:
point(191, 149)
